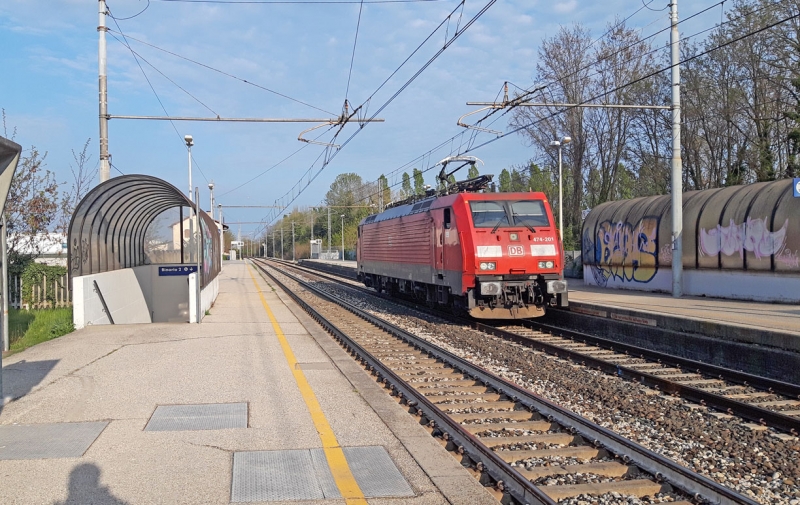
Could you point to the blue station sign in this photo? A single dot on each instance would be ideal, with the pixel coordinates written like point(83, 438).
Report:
point(796, 187)
point(177, 270)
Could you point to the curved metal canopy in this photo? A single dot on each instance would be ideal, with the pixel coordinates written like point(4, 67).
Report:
point(107, 230)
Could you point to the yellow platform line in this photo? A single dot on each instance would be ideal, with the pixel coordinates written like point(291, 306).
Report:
point(348, 487)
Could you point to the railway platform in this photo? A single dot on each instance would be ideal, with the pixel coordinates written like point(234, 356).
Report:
point(256, 404)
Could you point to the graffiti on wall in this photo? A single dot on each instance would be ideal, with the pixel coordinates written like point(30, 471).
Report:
point(625, 252)
point(752, 235)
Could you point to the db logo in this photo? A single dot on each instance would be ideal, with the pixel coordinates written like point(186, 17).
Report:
point(516, 250)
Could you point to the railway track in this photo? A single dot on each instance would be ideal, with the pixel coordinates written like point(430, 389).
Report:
point(522, 446)
point(765, 402)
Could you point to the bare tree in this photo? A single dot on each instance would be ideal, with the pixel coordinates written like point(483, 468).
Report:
point(80, 185)
point(32, 203)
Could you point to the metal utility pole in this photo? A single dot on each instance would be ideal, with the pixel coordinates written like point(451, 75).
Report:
point(221, 237)
point(329, 230)
point(105, 165)
point(4, 254)
point(198, 241)
point(281, 240)
point(273, 244)
point(293, 241)
point(676, 179)
point(342, 237)
point(677, 197)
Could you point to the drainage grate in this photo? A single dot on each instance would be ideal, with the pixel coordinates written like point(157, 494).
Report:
point(375, 472)
point(47, 441)
point(304, 475)
point(213, 416)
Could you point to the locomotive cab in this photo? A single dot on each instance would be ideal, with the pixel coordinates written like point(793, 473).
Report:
point(517, 256)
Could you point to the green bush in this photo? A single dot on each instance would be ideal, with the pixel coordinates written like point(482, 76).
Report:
point(33, 274)
point(31, 327)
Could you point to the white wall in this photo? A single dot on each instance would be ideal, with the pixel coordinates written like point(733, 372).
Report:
point(737, 285)
point(167, 296)
point(207, 297)
point(122, 294)
point(138, 295)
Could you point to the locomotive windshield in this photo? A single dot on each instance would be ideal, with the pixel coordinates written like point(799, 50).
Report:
point(530, 212)
point(488, 214)
point(496, 214)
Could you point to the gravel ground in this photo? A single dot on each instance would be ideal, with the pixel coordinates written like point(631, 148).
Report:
point(754, 463)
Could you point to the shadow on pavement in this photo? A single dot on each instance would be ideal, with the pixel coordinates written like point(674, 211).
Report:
point(21, 377)
point(85, 488)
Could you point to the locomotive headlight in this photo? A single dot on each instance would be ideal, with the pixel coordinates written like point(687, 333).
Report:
point(546, 264)
point(488, 265)
point(513, 236)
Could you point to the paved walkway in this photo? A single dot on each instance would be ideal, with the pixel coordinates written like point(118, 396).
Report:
point(111, 386)
point(764, 316)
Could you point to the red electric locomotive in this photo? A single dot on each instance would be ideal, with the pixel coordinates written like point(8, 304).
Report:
point(495, 255)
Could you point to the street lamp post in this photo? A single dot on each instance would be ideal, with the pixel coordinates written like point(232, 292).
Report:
point(281, 240)
point(293, 258)
point(211, 192)
point(189, 143)
point(559, 143)
point(342, 237)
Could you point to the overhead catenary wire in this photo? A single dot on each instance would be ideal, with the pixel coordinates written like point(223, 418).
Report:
point(297, 2)
point(150, 84)
point(165, 76)
point(353, 57)
point(652, 51)
point(649, 75)
point(447, 44)
point(276, 165)
point(640, 79)
point(263, 88)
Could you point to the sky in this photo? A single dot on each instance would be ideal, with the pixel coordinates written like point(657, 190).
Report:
point(49, 89)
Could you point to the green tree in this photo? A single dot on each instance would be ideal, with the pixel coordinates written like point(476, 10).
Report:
point(406, 187)
point(419, 182)
point(505, 181)
point(473, 171)
point(31, 205)
point(386, 191)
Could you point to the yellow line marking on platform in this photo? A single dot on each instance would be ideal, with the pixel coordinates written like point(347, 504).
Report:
point(345, 481)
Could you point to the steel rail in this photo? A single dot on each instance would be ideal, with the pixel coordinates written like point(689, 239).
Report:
point(659, 466)
point(520, 488)
point(744, 378)
point(748, 411)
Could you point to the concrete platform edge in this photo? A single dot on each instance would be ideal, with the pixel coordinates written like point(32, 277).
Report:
point(687, 324)
point(453, 481)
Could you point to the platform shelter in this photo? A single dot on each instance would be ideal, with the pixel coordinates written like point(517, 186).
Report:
point(140, 251)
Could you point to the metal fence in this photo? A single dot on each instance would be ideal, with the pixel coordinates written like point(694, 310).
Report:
point(58, 288)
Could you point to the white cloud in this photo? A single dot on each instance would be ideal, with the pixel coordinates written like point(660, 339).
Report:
point(565, 7)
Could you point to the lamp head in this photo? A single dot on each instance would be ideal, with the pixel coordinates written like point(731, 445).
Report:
point(555, 143)
point(211, 186)
point(189, 140)
point(566, 140)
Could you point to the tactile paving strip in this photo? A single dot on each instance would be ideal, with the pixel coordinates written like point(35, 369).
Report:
point(48, 441)
point(213, 416)
point(304, 475)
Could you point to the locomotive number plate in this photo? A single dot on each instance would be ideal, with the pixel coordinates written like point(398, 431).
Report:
point(516, 250)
